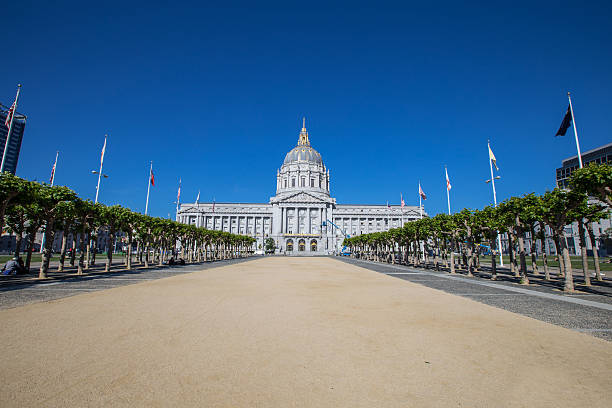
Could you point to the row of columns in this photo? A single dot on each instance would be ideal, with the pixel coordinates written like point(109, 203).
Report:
point(348, 227)
point(250, 220)
point(295, 225)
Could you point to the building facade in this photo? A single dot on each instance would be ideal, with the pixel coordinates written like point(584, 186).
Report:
point(602, 154)
point(601, 229)
point(302, 217)
point(14, 147)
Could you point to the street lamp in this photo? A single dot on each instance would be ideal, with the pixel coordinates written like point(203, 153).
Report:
point(100, 174)
point(495, 178)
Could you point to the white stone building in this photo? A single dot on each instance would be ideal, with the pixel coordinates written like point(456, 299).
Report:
point(302, 218)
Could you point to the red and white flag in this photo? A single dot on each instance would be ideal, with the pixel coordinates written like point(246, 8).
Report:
point(402, 200)
point(9, 115)
point(421, 193)
point(53, 172)
point(448, 184)
point(178, 196)
point(52, 178)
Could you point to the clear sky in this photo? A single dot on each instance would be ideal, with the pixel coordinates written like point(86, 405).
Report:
point(391, 91)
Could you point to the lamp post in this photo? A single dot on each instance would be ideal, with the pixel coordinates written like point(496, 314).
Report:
point(98, 187)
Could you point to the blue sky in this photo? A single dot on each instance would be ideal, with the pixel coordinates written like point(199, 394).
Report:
point(392, 91)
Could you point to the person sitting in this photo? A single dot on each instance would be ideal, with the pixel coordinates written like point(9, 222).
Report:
point(181, 261)
point(13, 267)
point(171, 261)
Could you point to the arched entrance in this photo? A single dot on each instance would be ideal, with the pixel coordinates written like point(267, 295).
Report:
point(313, 245)
point(301, 245)
point(289, 245)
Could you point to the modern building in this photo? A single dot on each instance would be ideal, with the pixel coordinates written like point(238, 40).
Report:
point(14, 147)
point(602, 154)
point(302, 218)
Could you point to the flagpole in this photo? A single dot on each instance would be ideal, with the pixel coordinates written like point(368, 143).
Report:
point(8, 135)
point(501, 258)
point(447, 191)
point(420, 203)
point(54, 167)
point(575, 131)
point(100, 172)
point(178, 197)
point(402, 207)
point(42, 240)
point(148, 189)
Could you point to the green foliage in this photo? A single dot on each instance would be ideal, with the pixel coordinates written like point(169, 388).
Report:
point(594, 180)
point(270, 245)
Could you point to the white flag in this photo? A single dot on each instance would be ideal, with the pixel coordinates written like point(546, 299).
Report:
point(492, 158)
point(103, 150)
point(198, 197)
point(448, 184)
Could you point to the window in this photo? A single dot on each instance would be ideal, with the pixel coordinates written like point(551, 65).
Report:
point(285, 183)
point(312, 183)
point(293, 182)
point(303, 181)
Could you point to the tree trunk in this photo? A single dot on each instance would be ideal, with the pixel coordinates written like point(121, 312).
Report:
point(569, 276)
point(62, 258)
point(493, 244)
point(583, 253)
point(129, 252)
point(31, 238)
point(110, 246)
point(557, 241)
point(595, 246)
point(470, 258)
point(94, 249)
point(73, 246)
point(546, 271)
point(46, 256)
point(82, 261)
point(533, 250)
point(523, 270)
point(452, 259)
point(18, 241)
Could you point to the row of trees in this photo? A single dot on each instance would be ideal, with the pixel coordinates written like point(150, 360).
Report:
point(27, 207)
point(463, 233)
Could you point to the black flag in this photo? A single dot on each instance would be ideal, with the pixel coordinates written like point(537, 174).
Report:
point(567, 121)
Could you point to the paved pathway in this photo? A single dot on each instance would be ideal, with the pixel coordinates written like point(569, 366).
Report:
point(278, 332)
point(585, 312)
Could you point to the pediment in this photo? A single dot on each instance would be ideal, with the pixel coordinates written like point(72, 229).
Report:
point(301, 197)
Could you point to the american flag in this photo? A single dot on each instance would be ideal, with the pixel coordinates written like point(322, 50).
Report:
point(9, 115)
point(52, 173)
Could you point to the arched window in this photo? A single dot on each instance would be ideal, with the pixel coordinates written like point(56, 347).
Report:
point(285, 183)
point(313, 245)
point(301, 245)
point(289, 245)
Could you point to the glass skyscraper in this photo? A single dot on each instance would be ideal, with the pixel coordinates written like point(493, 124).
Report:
point(12, 155)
